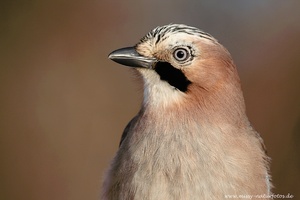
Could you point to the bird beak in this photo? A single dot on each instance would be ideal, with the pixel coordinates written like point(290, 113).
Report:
point(130, 57)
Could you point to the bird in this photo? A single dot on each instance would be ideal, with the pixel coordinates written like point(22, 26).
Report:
point(191, 138)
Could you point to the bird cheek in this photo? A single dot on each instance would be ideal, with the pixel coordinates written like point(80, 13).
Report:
point(196, 73)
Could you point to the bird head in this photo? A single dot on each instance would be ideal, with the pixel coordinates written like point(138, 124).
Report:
point(182, 65)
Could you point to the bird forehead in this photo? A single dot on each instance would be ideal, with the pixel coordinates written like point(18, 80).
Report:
point(151, 47)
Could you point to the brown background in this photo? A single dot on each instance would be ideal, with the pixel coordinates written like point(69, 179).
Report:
point(63, 104)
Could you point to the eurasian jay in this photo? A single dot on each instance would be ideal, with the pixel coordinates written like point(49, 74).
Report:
point(191, 139)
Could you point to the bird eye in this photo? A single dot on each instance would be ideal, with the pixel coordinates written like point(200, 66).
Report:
point(181, 54)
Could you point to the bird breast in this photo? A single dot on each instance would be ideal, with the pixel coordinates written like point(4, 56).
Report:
point(183, 159)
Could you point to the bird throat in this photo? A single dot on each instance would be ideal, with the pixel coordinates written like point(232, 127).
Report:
point(172, 75)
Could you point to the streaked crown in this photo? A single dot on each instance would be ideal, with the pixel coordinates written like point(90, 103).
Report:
point(161, 33)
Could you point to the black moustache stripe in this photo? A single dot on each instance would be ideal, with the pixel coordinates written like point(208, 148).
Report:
point(172, 75)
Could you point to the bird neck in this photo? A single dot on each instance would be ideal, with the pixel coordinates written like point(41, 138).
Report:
point(223, 105)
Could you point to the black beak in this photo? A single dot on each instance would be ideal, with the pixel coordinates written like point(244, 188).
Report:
point(130, 57)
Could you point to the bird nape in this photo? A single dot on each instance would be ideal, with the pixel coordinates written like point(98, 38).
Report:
point(191, 138)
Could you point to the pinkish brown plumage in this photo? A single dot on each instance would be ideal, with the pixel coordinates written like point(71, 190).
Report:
point(192, 138)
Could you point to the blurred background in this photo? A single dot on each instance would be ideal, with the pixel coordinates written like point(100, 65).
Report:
point(64, 105)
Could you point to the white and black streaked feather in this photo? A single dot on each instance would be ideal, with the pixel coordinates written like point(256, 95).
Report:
point(161, 33)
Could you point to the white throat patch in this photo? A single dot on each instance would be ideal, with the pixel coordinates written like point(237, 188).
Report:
point(157, 92)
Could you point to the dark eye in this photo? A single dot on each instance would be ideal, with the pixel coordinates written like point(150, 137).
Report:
point(181, 54)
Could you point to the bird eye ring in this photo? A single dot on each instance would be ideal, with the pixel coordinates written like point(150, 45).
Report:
point(181, 54)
